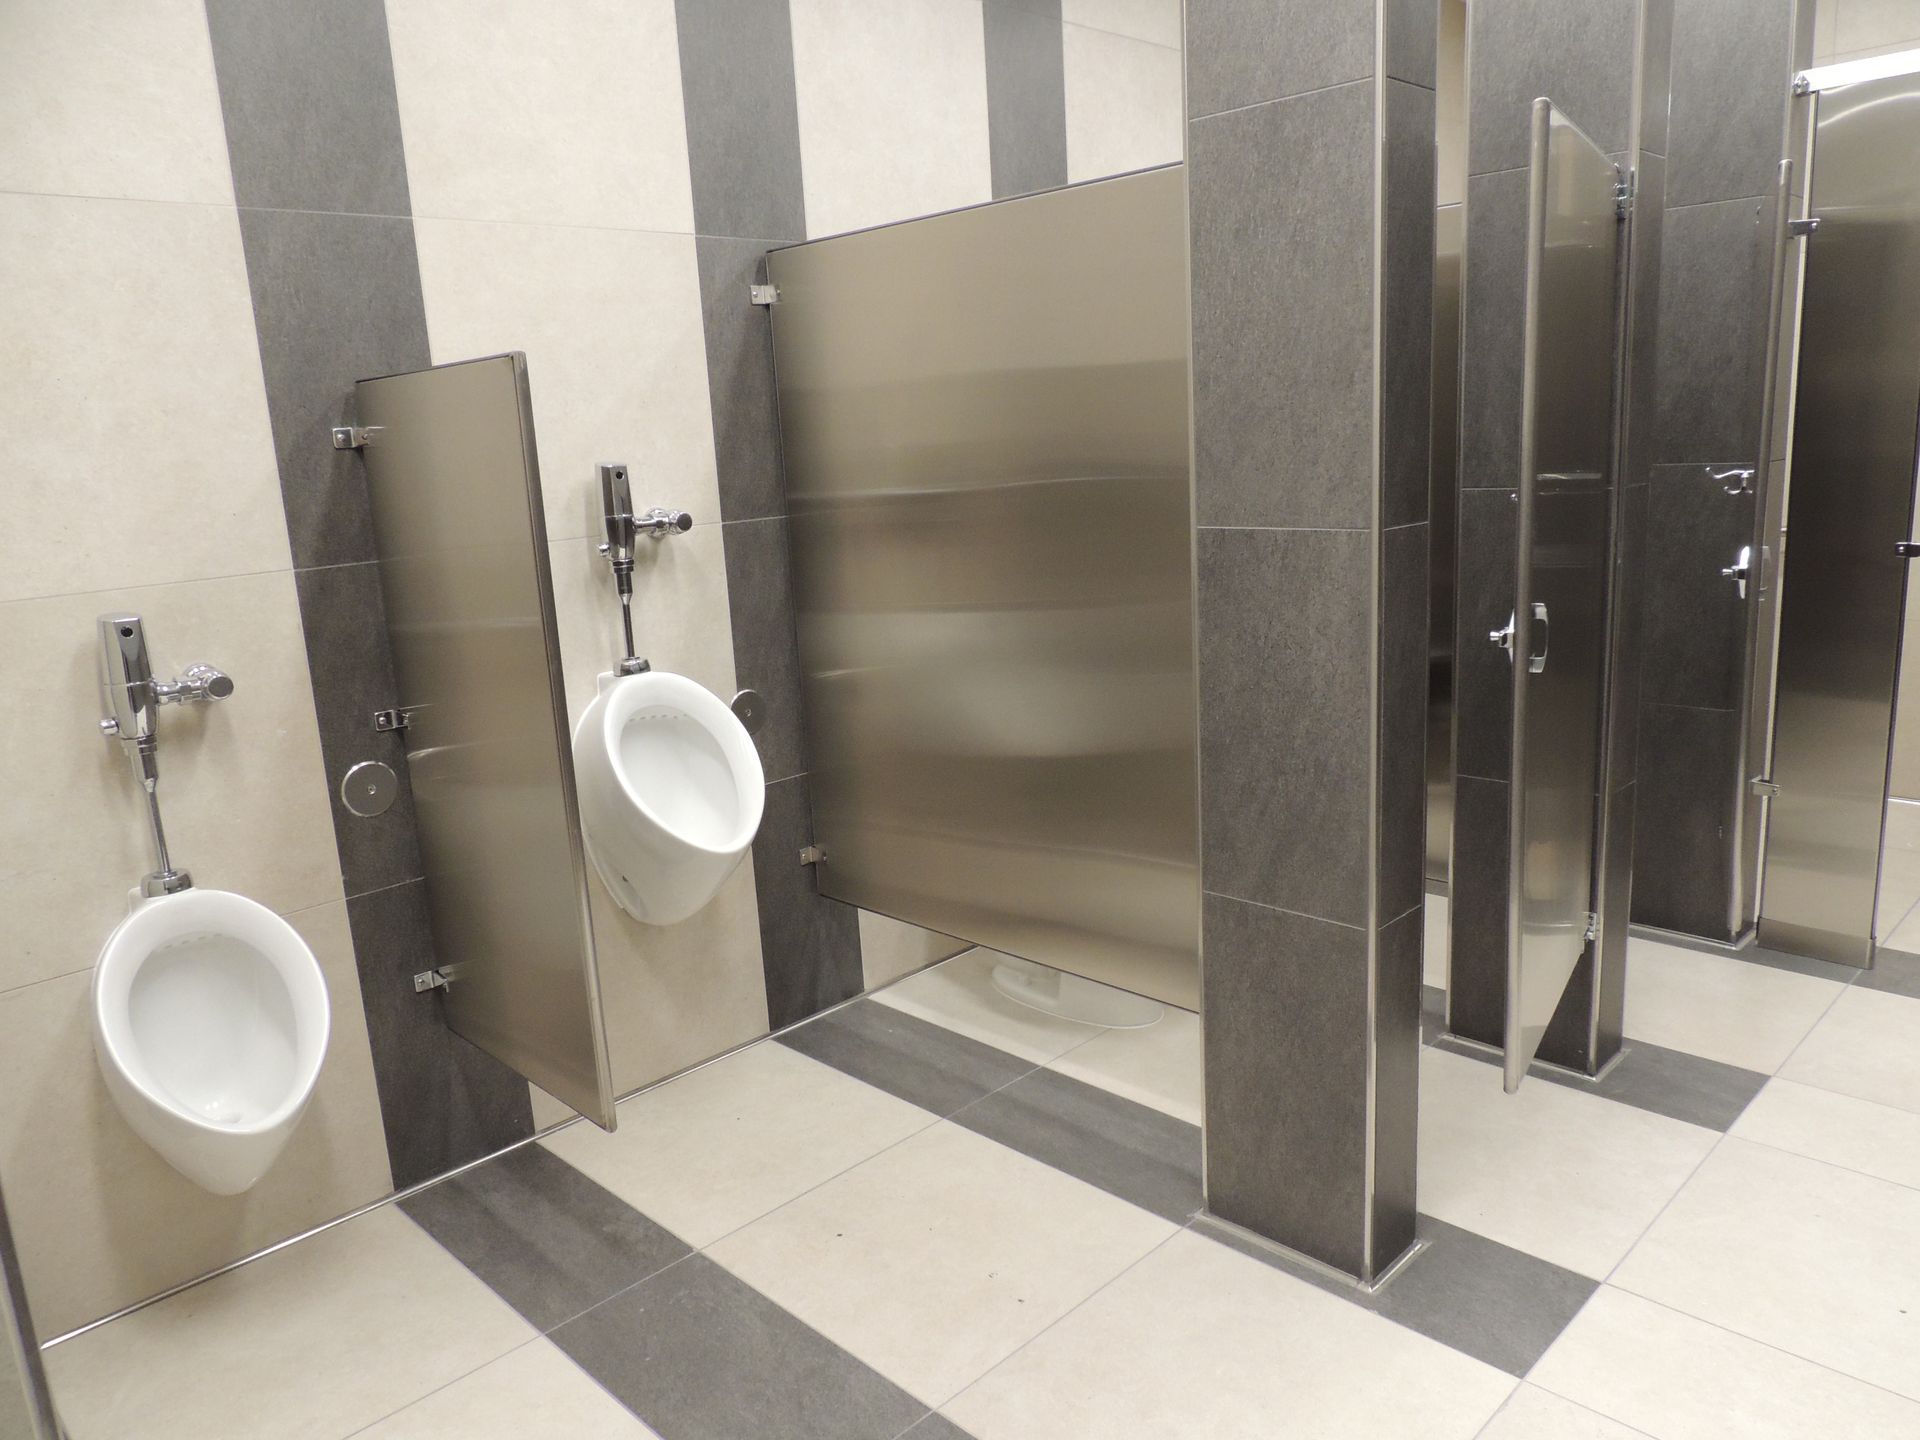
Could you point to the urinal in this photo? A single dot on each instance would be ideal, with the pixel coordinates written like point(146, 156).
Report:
point(210, 1022)
point(671, 792)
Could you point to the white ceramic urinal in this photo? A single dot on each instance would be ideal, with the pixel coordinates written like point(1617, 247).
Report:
point(671, 792)
point(210, 1021)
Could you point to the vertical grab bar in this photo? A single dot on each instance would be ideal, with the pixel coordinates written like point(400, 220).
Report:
point(1763, 465)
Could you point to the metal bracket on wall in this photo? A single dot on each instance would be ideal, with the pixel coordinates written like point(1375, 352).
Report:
point(354, 437)
point(385, 720)
point(764, 294)
point(1804, 228)
point(430, 980)
point(1623, 192)
point(813, 854)
point(1762, 786)
point(1593, 926)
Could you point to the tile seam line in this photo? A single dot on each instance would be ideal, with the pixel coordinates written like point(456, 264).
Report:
point(1363, 79)
point(445, 1385)
point(1281, 909)
point(1741, 1335)
point(1577, 1404)
point(1821, 1159)
point(6, 600)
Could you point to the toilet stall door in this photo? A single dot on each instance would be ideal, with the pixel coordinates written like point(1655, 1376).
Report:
point(1556, 640)
point(461, 533)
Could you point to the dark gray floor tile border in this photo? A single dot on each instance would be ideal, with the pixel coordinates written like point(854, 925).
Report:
point(1673, 1083)
point(1142, 1155)
point(1894, 971)
point(913, 1059)
point(1493, 1302)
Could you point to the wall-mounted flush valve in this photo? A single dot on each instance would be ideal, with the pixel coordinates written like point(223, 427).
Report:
point(623, 527)
point(130, 699)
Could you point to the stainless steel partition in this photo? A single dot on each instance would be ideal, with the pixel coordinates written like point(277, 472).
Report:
point(986, 440)
point(26, 1405)
point(1557, 639)
point(1443, 495)
point(462, 539)
point(1849, 506)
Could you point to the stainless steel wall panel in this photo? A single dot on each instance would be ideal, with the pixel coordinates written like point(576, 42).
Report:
point(985, 427)
point(458, 519)
point(1558, 640)
point(1850, 502)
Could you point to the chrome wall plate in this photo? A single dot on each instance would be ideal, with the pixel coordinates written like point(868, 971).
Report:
point(369, 789)
point(750, 709)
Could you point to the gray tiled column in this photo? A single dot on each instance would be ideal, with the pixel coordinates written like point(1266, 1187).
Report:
point(319, 172)
point(1310, 178)
point(743, 147)
point(1731, 60)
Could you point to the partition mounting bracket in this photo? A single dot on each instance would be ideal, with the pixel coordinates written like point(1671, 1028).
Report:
point(764, 294)
point(813, 854)
point(430, 980)
point(1804, 228)
point(355, 437)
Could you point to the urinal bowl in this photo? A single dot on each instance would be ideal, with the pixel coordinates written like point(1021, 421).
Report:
point(210, 1023)
point(671, 792)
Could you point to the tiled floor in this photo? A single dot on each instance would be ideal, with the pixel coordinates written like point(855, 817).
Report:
point(934, 1214)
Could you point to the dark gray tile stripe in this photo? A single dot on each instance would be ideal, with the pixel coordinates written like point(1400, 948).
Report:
point(313, 136)
point(922, 1063)
point(1475, 1295)
point(1894, 971)
point(545, 1238)
point(743, 121)
point(809, 945)
point(1142, 1155)
point(1026, 96)
point(1648, 1077)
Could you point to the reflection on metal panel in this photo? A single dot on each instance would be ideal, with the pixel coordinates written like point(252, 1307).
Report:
point(463, 566)
point(985, 422)
point(1851, 501)
point(1443, 491)
point(1557, 645)
point(26, 1406)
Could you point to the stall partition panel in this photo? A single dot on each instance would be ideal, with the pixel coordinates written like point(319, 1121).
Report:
point(461, 535)
point(985, 425)
point(1557, 638)
point(1849, 517)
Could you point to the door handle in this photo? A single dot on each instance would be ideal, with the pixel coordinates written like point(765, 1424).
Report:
point(1537, 660)
point(1503, 637)
point(1741, 568)
point(1907, 549)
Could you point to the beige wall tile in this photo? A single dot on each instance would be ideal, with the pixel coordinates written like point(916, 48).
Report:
point(891, 948)
point(111, 97)
point(1156, 21)
point(242, 788)
point(616, 355)
point(680, 619)
point(1875, 25)
point(134, 406)
point(675, 995)
point(311, 1343)
point(893, 109)
point(101, 1220)
point(1124, 105)
point(526, 110)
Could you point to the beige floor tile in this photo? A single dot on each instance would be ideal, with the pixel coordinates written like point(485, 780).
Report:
point(1535, 1414)
point(533, 1393)
point(1198, 1341)
point(937, 1258)
point(101, 1220)
point(1875, 1139)
point(707, 1153)
point(308, 1344)
point(1679, 1378)
point(1729, 1010)
point(593, 134)
point(1568, 1177)
point(1868, 1046)
point(1157, 1066)
point(960, 995)
point(1797, 1254)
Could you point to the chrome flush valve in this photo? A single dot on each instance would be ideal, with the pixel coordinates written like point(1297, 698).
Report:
point(616, 498)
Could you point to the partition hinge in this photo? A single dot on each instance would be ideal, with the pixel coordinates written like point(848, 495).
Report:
point(764, 294)
point(813, 854)
point(355, 437)
point(1761, 785)
point(1804, 228)
point(430, 980)
point(1593, 927)
point(385, 720)
point(1624, 190)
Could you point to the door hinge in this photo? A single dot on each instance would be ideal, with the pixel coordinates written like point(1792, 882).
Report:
point(764, 294)
point(813, 854)
point(1803, 228)
point(1593, 927)
point(1624, 190)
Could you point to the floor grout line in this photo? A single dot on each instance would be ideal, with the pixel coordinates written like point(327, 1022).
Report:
point(447, 1385)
